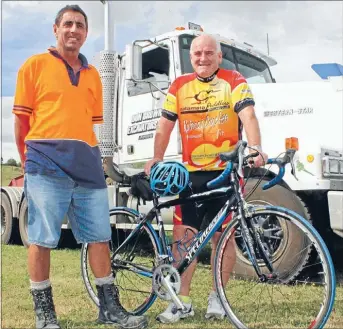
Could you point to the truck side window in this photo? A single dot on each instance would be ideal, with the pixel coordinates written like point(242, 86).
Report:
point(155, 68)
point(228, 62)
point(253, 69)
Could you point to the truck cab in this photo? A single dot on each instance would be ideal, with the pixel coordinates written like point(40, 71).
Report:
point(140, 102)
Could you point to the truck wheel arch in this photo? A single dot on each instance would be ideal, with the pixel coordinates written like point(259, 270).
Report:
point(295, 242)
point(23, 213)
point(6, 218)
point(267, 175)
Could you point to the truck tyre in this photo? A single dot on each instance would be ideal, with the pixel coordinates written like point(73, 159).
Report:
point(6, 219)
point(23, 215)
point(293, 243)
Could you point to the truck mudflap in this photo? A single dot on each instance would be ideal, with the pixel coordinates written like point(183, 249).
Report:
point(335, 201)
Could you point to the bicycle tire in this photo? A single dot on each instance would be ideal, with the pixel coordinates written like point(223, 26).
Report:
point(150, 237)
point(238, 308)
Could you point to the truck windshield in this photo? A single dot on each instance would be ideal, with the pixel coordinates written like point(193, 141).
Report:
point(252, 68)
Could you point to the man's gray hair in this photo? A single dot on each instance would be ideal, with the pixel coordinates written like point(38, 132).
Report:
point(219, 49)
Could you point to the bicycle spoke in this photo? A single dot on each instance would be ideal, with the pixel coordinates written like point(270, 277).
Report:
point(137, 255)
point(249, 289)
point(271, 297)
point(259, 303)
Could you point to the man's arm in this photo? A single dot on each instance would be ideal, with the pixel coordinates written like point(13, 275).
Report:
point(21, 129)
point(252, 129)
point(163, 132)
point(251, 126)
point(162, 137)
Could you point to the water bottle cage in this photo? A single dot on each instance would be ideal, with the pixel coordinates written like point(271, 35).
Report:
point(185, 244)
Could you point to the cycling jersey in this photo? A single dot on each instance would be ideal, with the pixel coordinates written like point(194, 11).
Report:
point(207, 113)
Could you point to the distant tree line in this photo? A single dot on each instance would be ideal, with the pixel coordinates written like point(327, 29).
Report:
point(11, 162)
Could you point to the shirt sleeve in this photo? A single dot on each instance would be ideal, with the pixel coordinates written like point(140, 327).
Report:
point(24, 93)
point(169, 110)
point(241, 93)
point(97, 116)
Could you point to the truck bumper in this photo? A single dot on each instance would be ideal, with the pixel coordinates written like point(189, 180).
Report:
point(335, 200)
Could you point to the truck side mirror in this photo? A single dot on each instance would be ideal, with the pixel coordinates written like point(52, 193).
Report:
point(133, 62)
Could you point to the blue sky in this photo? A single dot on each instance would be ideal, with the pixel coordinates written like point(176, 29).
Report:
point(300, 33)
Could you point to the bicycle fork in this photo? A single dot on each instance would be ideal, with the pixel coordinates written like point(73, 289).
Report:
point(249, 246)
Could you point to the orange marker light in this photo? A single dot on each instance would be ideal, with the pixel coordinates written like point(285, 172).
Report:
point(292, 143)
point(179, 28)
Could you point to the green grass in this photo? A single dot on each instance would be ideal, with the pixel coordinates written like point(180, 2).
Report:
point(9, 172)
point(75, 309)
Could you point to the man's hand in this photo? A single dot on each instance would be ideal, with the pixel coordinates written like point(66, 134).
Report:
point(149, 164)
point(260, 160)
point(21, 129)
point(22, 164)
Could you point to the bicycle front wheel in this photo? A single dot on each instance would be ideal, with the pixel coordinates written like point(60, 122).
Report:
point(304, 302)
point(141, 252)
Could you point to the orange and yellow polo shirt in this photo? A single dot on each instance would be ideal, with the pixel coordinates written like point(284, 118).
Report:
point(62, 106)
point(207, 113)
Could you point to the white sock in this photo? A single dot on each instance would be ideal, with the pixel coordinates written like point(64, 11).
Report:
point(106, 280)
point(40, 285)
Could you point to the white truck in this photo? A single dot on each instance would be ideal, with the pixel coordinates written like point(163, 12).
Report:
point(135, 84)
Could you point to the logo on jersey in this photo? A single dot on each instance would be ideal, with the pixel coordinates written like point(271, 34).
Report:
point(203, 96)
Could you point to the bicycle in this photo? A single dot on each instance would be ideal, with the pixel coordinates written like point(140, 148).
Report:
point(144, 261)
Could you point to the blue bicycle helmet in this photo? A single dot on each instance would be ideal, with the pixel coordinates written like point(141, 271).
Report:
point(168, 178)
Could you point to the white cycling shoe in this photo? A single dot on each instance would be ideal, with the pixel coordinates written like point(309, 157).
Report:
point(172, 314)
point(214, 309)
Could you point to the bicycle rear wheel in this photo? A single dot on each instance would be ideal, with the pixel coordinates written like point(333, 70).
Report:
point(135, 289)
point(305, 302)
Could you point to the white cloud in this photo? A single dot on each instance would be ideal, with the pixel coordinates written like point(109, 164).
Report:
point(8, 147)
point(165, 17)
point(7, 104)
point(124, 13)
point(301, 33)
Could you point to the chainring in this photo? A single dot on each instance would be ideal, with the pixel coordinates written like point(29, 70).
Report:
point(172, 276)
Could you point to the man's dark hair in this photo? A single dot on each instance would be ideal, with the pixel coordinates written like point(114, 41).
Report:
point(70, 8)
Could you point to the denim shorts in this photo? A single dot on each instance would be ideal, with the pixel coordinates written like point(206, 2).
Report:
point(50, 198)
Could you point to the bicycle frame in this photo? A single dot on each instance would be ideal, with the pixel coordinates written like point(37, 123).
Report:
point(232, 191)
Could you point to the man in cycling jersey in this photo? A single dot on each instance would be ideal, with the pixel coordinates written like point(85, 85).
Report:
point(212, 106)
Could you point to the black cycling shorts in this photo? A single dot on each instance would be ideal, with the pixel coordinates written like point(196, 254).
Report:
point(199, 217)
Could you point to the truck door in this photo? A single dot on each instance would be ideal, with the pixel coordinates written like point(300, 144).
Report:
point(142, 103)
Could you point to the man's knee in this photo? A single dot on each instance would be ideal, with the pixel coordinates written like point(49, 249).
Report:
point(99, 245)
point(179, 231)
point(38, 249)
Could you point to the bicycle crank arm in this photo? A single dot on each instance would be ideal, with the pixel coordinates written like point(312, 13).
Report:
point(173, 295)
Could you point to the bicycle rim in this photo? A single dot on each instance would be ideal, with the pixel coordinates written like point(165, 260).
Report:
point(135, 290)
point(304, 302)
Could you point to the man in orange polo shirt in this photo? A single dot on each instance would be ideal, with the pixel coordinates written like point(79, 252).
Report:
point(58, 99)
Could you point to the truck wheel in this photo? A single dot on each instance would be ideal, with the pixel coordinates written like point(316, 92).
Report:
point(6, 219)
point(23, 224)
point(293, 244)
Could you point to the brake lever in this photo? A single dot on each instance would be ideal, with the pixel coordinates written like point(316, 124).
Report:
point(293, 170)
point(240, 162)
point(290, 160)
